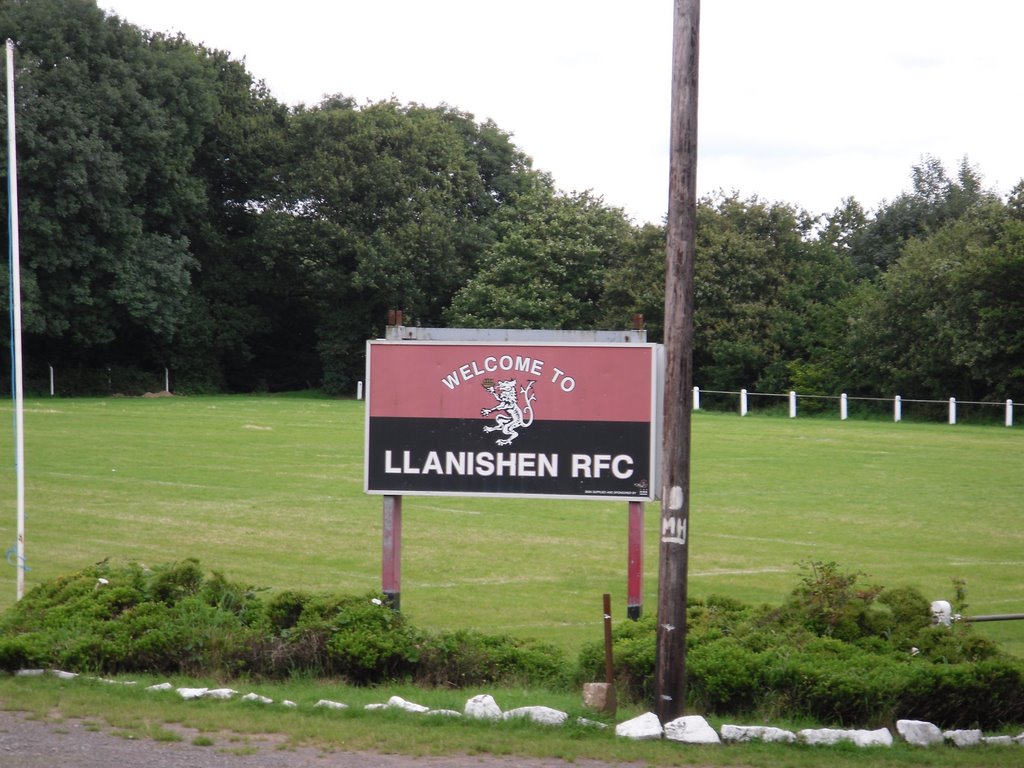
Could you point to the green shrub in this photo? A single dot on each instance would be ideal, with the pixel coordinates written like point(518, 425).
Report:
point(827, 603)
point(634, 647)
point(22, 652)
point(954, 645)
point(832, 652)
point(724, 676)
point(285, 609)
point(465, 658)
point(369, 642)
point(170, 583)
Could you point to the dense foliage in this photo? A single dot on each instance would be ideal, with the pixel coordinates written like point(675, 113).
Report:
point(112, 618)
point(175, 215)
point(833, 651)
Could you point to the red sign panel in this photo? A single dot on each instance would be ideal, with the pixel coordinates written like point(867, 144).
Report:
point(512, 419)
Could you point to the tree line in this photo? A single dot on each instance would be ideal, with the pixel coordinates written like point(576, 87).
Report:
point(175, 215)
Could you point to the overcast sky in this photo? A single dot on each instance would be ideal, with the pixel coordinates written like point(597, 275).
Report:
point(800, 101)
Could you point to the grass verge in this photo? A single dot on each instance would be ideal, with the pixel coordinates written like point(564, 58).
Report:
point(236, 726)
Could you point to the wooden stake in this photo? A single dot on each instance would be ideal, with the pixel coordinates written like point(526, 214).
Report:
point(611, 703)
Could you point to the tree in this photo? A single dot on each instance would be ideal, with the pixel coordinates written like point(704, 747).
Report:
point(547, 269)
point(108, 122)
point(762, 283)
point(636, 284)
point(943, 321)
point(385, 206)
point(935, 200)
point(246, 326)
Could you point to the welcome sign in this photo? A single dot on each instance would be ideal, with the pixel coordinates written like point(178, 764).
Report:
point(512, 419)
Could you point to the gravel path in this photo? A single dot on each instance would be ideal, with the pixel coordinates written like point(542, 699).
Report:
point(33, 743)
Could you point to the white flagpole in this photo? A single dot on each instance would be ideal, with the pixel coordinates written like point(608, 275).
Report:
point(16, 379)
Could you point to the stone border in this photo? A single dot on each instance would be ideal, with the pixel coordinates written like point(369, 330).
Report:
point(691, 729)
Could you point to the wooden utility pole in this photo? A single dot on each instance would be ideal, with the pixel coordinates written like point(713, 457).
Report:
point(670, 671)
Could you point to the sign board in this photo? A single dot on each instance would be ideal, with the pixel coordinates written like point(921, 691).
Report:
point(526, 419)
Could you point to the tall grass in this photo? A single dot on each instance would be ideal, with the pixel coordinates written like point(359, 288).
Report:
point(269, 490)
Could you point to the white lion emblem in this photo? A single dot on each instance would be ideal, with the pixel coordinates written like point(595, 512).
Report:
point(511, 417)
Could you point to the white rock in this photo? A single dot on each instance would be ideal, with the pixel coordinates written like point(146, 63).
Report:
point(444, 713)
point(942, 613)
point(288, 703)
point(827, 736)
point(970, 737)
point(30, 672)
point(397, 702)
point(328, 704)
point(778, 735)
point(192, 693)
point(63, 675)
point(822, 736)
point(646, 726)
point(160, 687)
point(372, 707)
point(920, 733)
point(483, 707)
point(257, 698)
point(590, 723)
point(881, 737)
point(220, 693)
point(691, 729)
point(542, 715)
point(1019, 738)
point(742, 733)
point(999, 741)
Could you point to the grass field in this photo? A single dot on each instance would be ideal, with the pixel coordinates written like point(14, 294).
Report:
point(268, 490)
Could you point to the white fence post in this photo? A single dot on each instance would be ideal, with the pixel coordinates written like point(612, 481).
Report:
point(167, 380)
point(1009, 413)
point(897, 409)
point(696, 398)
point(359, 391)
point(51, 381)
point(743, 402)
point(792, 404)
point(952, 410)
point(843, 408)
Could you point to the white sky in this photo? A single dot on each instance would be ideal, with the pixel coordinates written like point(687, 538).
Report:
point(800, 101)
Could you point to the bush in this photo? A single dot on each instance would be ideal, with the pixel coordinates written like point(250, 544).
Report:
point(725, 676)
point(22, 652)
point(125, 618)
point(465, 658)
point(174, 619)
point(634, 647)
point(833, 652)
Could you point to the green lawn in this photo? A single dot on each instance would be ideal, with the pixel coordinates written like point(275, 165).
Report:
point(268, 490)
